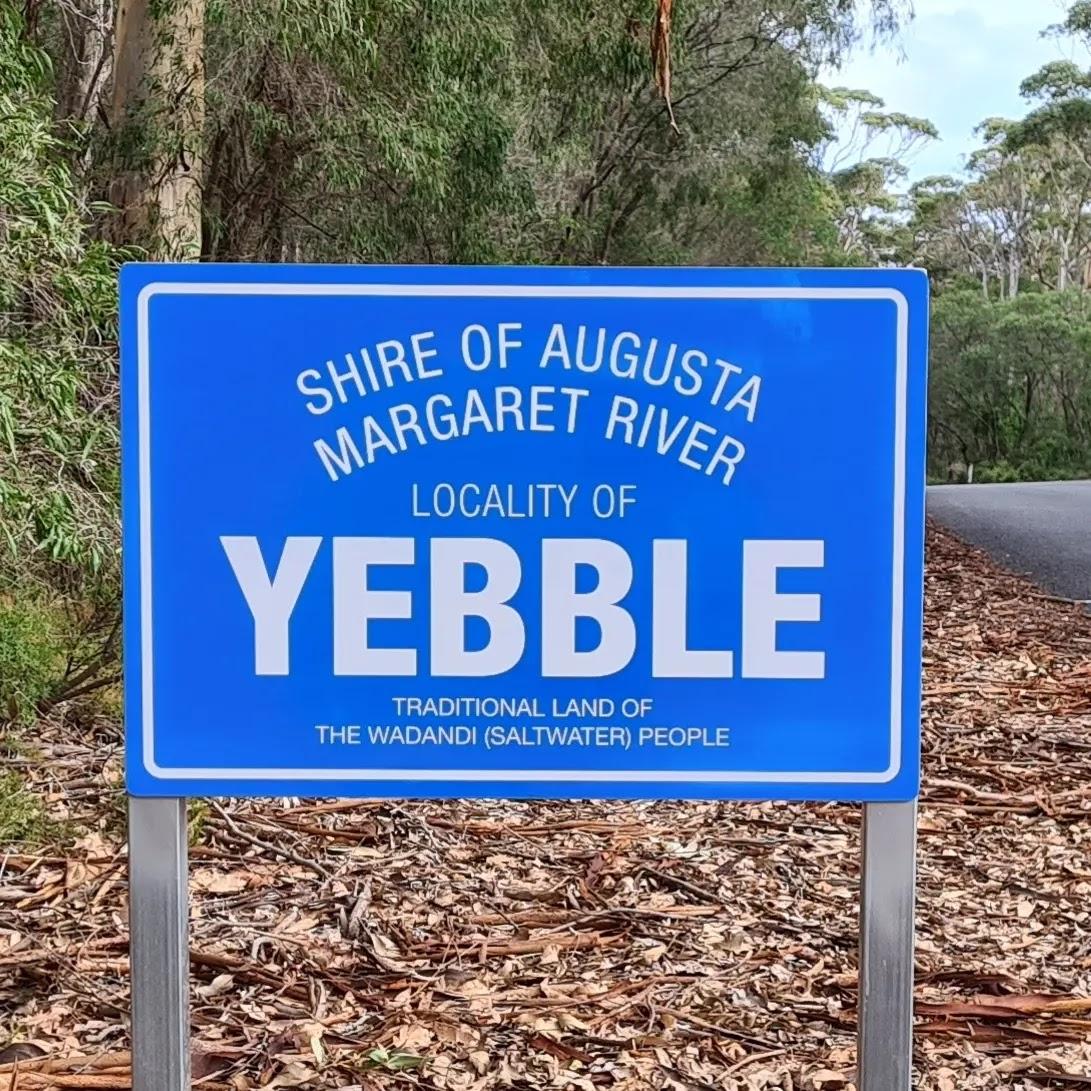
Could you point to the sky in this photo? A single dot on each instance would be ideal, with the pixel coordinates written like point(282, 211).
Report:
point(957, 63)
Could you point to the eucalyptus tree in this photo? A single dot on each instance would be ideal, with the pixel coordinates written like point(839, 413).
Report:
point(1010, 387)
point(1021, 219)
point(1011, 360)
point(369, 130)
point(427, 131)
point(865, 157)
point(514, 130)
point(157, 121)
point(1056, 134)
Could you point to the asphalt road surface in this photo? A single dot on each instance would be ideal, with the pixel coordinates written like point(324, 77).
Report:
point(1042, 530)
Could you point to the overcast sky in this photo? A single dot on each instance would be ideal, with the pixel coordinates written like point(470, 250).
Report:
point(963, 61)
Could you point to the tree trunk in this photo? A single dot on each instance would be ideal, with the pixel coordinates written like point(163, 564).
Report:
point(158, 116)
point(87, 61)
point(1014, 273)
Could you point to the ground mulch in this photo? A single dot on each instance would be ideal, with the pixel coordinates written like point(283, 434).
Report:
point(597, 945)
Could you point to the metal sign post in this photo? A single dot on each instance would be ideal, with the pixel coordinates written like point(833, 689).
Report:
point(159, 943)
point(887, 891)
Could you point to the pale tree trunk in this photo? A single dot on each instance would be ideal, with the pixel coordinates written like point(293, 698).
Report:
point(158, 116)
point(87, 60)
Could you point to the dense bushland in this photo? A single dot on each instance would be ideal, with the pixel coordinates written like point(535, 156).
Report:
point(492, 131)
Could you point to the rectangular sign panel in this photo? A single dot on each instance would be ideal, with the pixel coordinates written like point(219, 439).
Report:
point(424, 531)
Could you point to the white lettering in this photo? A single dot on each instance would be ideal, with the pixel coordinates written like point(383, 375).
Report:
point(272, 601)
point(355, 605)
point(671, 658)
point(763, 607)
point(452, 604)
point(562, 605)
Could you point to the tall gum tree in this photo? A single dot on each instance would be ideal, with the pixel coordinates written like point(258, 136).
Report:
point(157, 121)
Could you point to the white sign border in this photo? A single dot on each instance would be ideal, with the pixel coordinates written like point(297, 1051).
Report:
point(559, 291)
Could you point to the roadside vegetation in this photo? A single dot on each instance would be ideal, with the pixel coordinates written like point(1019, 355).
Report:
point(500, 131)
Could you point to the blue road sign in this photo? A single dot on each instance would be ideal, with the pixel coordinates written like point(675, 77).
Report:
point(423, 531)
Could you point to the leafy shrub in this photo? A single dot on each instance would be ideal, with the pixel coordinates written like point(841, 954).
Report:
point(58, 400)
point(989, 473)
point(31, 658)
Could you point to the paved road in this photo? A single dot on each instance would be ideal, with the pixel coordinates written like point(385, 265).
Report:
point(1042, 529)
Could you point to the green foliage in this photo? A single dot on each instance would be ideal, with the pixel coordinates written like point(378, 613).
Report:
point(23, 820)
point(197, 811)
point(395, 1060)
point(1077, 22)
point(357, 130)
point(1055, 80)
point(1000, 472)
point(1009, 250)
point(865, 157)
point(1011, 385)
point(31, 657)
point(370, 130)
point(509, 130)
point(58, 427)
